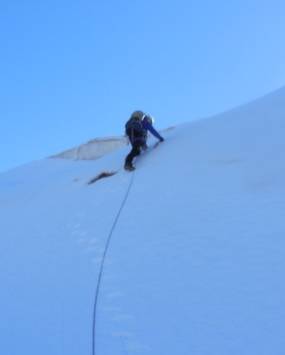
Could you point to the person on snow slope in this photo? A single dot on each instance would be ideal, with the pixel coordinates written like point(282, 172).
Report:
point(137, 129)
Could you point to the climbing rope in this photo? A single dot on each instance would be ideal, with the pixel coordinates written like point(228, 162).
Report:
point(103, 263)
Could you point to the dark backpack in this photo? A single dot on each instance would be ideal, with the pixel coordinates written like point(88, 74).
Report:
point(134, 127)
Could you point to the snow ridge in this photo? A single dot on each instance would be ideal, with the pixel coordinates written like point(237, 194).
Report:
point(93, 149)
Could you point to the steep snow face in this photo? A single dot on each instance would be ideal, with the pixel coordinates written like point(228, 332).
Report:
point(195, 262)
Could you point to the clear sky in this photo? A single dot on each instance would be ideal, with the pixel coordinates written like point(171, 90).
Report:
point(75, 70)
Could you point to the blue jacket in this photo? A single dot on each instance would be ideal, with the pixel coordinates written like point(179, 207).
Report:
point(149, 127)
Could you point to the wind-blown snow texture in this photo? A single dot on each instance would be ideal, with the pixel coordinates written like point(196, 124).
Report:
point(197, 259)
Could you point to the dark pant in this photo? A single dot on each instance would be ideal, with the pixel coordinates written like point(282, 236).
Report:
point(136, 150)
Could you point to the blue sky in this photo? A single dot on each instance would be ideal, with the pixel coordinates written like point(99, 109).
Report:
point(75, 70)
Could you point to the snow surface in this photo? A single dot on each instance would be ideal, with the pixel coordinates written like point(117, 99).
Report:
point(196, 260)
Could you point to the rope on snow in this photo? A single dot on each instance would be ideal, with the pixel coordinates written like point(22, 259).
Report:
point(101, 270)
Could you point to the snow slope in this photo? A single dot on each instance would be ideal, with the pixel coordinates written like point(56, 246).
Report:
point(196, 259)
